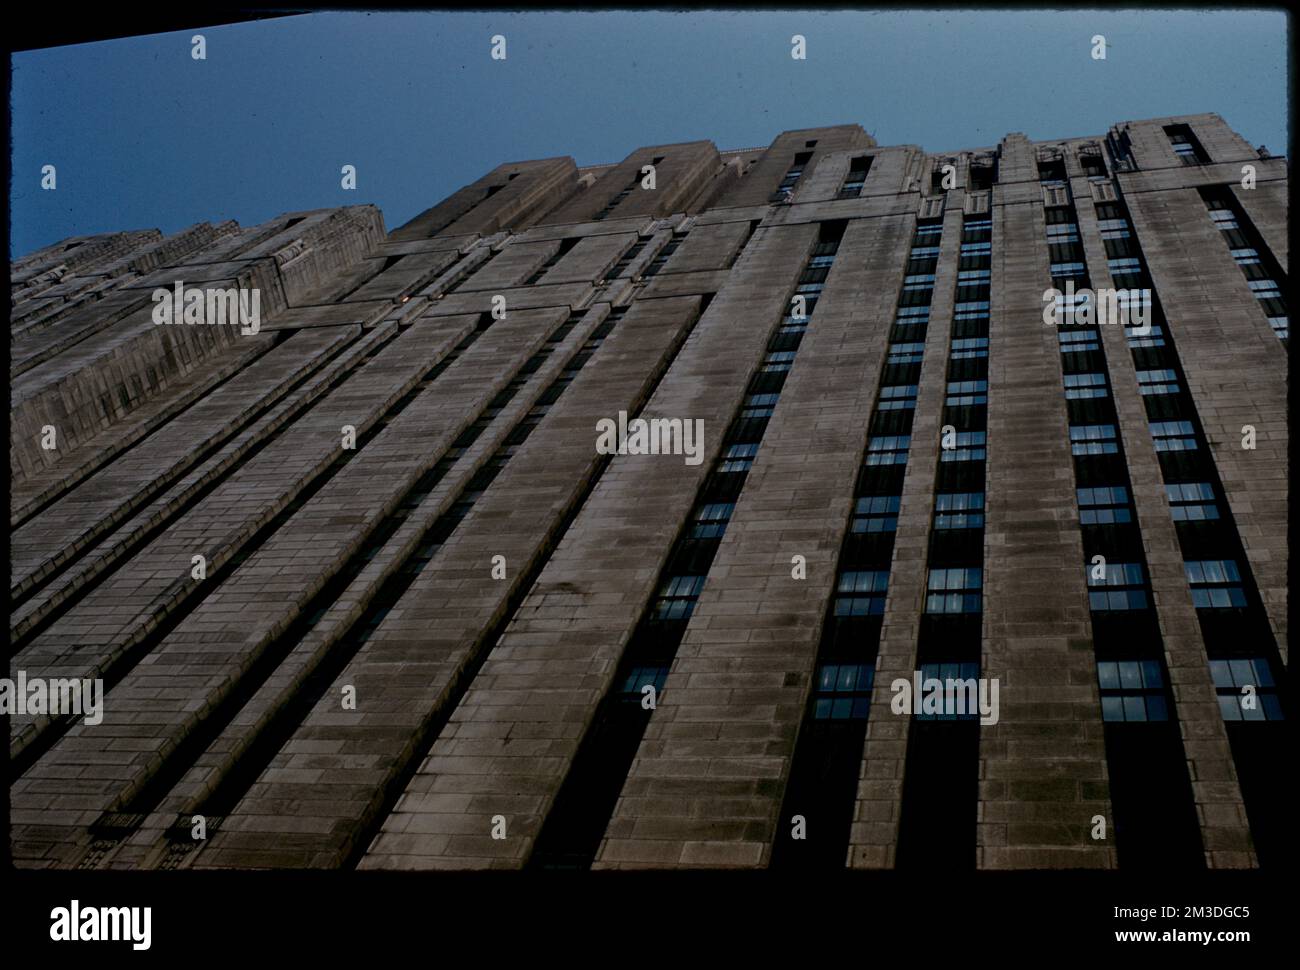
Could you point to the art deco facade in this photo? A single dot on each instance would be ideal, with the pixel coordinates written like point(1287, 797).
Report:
point(465, 638)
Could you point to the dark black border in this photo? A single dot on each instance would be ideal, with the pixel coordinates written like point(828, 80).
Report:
point(941, 917)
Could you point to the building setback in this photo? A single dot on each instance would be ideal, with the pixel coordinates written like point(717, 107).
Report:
point(363, 591)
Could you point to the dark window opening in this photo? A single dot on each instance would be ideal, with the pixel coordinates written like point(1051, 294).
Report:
point(1094, 166)
point(1052, 173)
point(856, 178)
point(1186, 146)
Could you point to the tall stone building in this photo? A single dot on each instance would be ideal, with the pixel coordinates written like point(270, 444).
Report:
point(364, 588)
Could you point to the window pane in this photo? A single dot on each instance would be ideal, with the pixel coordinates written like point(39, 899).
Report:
point(1134, 709)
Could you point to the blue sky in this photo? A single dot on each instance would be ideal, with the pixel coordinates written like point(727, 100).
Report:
point(143, 136)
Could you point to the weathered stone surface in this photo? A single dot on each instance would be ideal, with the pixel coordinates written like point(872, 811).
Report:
point(477, 679)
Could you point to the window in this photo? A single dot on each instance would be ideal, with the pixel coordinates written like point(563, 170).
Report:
point(921, 281)
point(960, 683)
point(908, 331)
point(759, 405)
point(1265, 289)
point(1093, 166)
point(969, 447)
point(639, 678)
point(1132, 690)
point(1106, 505)
point(1215, 583)
point(1077, 341)
point(1192, 501)
point(842, 692)
point(1061, 233)
point(953, 590)
point(710, 520)
point(876, 513)
point(1235, 681)
point(1133, 305)
point(888, 449)
point(822, 261)
point(1163, 381)
point(1224, 219)
point(1243, 248)
point(972, 277)
point(1125, 268)
point(982, 176)
point(1071, 308)
point(792, 176)
point(908, 315)
point(1081, 386)
point(829, 235)
point(777, 361)
point(971, 310)
point(971, 327)
point(905, 353)
point(1116, 586)
point(966, 393)
point(790, 326)
point(1151, 336)
point(677, 597)
point(1173, 435)
point(861, 593)
point(1072, 269)
point(1185, 145)
point(857, 176)
point(928, 231)
point(1114, 228)
point(924, 252)
point(1093, 439)
point(959, 510)
point(738, 458)
point(901, 397)
point(968, 348)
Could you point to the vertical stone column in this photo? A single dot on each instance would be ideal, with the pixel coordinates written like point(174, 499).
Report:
point(1236, 373)
point(1043, 765)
